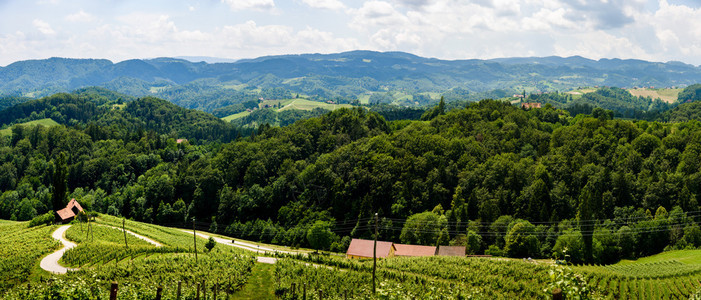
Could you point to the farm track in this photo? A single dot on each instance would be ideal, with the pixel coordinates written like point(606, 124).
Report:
point(50, 262)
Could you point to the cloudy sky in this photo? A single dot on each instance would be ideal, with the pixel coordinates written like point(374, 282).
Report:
point(450, 29)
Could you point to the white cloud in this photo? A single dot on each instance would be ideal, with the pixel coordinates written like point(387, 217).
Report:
point(326, 4)
point(262, 5)
point(80, 16)
point(43, 27)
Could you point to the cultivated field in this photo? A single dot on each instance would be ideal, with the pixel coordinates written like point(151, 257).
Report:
point(666, 95)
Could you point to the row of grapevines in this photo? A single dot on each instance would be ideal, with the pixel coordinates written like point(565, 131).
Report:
point(21, 249)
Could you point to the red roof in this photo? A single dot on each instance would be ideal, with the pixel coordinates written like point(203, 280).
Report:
point(414, 250)
point(363, 248)
point(70, 210)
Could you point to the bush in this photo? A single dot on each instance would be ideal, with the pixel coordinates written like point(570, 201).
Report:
point(494, 250)
point(209, 245)
point(45, 219)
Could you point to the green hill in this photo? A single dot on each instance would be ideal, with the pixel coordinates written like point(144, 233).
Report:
point(43, 122)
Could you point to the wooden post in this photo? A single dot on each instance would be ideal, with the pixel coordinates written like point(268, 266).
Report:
point(177, 295)
point(320, 294)
point(113, 291)
point(215, 290)
point(345, 295)
point(197, 296)
point(557, 294)
point(158, 292)
point(374, 257)
point(204, 290)
point(125, 234)
point(194, 238)
point(304, 293)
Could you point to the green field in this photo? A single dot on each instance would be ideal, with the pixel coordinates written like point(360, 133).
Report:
point(304, 104)
point(43, 122)
point(666, 95)
point(288, 104)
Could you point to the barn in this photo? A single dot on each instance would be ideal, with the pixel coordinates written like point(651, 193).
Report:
point(414, 250)
point(363, 249)
point(67, 214)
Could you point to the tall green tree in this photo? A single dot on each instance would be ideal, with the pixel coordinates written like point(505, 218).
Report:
point(59, 182)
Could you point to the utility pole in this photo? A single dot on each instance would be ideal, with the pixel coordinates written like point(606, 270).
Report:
point(374, 257)
point(194, 238)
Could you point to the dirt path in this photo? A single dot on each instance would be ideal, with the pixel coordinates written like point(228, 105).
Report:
point(50, 262)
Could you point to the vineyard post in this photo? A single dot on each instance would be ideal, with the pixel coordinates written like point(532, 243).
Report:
point(197, 296)
point(158, 292)
point(125, 234)
point(204, 290)
point(374, 257)
point(557, 294)
point(215, 290)
point(320, 293)
point(113, 290)
point(304, 293)
point(180, 283)
point(194, 238)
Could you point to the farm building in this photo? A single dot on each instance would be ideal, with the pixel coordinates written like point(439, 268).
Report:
point(414, 250)
point(67, 214)
point(363, 249)
point(451, 251)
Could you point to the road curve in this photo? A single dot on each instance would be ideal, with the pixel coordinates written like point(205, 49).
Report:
point(50, 262)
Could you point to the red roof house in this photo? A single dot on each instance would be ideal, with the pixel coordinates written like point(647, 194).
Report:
point(530, 105)
point(71, 210)
point(414, 250)
point(363, 249)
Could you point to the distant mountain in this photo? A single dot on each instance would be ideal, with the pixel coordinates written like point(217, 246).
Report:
point(384, 77)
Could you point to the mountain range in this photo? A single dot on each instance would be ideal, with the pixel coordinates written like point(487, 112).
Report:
point(397, 77)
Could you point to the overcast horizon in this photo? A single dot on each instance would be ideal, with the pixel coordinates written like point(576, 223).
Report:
point(118, 30)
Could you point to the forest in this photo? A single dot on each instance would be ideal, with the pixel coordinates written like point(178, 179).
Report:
point(495, 177)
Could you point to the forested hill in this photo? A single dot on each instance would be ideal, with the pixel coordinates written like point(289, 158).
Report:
point(105, 114)
point(505, 180)
point(378, 77)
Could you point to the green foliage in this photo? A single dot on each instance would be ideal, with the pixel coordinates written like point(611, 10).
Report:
point(690, 93)
point(521, 240)
point(423, 229)
point(320, 235)
point(22, 249)
point(572, 285)
point(209, 245)
point(44, 219)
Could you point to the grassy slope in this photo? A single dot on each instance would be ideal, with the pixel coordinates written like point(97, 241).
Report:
point(44, 122)
point(301, 104)
point(667, 95)
point(260, 284)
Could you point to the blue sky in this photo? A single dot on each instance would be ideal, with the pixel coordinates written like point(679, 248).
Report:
point(450, 29)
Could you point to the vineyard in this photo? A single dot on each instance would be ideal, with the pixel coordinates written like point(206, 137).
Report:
point(141, 268)
point(669, 275)
point(21, 250)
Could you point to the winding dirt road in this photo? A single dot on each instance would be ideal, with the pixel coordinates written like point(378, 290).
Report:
point(50, 262)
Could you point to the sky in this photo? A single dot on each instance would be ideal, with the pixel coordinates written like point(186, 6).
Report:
point(666, 30)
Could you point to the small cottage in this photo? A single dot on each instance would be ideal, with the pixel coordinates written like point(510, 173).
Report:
point(363, 249)
point(68, 213)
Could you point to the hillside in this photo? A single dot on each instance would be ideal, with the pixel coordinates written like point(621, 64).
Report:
point(473, 172)
point(364, 76)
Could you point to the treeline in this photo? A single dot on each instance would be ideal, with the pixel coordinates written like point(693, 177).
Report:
point(108, 116)
point(510, 181)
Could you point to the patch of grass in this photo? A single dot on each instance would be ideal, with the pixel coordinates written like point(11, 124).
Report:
point(304, 104)
point(683, 256)
point(235, 116)
point(666, 95)
point(43, 122)
point(260, 284)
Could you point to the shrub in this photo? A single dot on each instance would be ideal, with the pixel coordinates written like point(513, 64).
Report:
point(45, 219)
